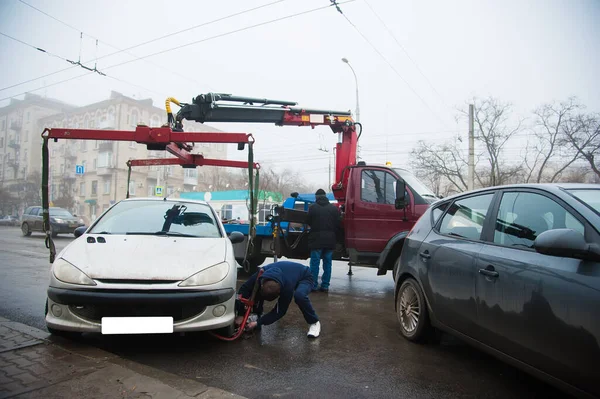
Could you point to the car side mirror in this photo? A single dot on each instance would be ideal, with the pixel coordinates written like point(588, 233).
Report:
point(236, 237)
point(79, 231)
point(566, 243)
point(400, 202)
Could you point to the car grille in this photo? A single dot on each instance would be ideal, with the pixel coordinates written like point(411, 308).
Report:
point(97, 312)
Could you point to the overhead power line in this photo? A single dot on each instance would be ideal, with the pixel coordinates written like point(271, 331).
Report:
point(404, 50)
point(189, 44)
point(384, 58)
point(126, 50)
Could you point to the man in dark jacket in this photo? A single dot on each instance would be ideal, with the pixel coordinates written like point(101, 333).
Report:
point(324, 221)
point(284, 280)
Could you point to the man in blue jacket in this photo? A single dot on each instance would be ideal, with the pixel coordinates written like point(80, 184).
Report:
point(284, 280)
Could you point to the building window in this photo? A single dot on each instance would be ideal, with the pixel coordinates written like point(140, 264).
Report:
point(105, 159)
point(1, 142)
point(106, 186)
point(170, 190)
point(132, 144)
point(95, 187)
point(4, 124)
point(26, 136)
point(151, 190)
point(134, 117)
point(83, 145)
point(96, 144)
point(132, 187)
point(92, 123)
point(82, 189)
point(95, 163)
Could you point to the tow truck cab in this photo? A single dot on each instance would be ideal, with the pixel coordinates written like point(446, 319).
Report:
point(376, 218)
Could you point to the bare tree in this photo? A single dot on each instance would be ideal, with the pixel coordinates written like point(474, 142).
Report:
point(581, 134)
point(445, 160)
point(493, 129)
point(545, 150)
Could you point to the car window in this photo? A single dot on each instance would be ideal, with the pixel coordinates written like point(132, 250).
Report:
point(523, 216)
point(59, 212)
point(153, 217)
point(465, 217)
point(437, 212)
point(378, 187)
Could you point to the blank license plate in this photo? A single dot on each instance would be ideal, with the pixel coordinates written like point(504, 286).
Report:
point(137, 325)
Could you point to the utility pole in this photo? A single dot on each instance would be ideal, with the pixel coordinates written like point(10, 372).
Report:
point(471, 183)
point(325, 149)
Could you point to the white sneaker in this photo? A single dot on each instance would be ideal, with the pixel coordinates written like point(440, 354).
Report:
point(314, 330)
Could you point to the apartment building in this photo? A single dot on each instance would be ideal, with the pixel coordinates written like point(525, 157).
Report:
point(105, 173)
point(20, 137)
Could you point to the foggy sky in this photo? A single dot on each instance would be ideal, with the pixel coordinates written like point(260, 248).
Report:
point(525, 52)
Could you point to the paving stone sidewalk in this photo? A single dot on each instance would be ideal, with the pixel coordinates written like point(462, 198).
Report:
point(33, 366)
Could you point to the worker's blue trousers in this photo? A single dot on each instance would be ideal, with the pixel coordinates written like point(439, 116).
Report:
point(301, 298)
point(315, 259)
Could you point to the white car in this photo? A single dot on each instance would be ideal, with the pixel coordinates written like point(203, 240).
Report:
point(146, 266)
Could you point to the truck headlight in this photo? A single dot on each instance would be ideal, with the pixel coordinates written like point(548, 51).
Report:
point(208, 276)
point(67, 273)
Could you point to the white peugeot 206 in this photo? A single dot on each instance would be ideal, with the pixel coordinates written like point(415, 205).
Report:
point(146, 266)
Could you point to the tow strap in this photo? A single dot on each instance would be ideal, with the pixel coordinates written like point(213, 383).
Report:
point(45, 199)
point(253, 185)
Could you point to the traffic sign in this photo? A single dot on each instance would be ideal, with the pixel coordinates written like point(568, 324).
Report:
point(79, 169)
point(158, 191)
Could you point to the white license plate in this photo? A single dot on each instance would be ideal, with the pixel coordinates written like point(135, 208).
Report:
point(137, 325)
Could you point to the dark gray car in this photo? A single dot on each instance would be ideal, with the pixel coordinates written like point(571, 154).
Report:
point(515, 271)
point(61, 221)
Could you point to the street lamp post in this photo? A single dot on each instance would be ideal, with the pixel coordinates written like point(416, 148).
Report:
point(345, 60)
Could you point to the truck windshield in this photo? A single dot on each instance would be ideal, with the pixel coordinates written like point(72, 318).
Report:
point(416, 184)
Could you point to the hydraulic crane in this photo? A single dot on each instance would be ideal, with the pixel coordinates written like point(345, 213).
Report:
point(217, 107)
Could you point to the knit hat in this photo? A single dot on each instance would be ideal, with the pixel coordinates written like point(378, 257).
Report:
point(320, 192)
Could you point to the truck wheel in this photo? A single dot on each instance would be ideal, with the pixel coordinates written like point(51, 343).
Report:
point(25, 230)
point(411, 311)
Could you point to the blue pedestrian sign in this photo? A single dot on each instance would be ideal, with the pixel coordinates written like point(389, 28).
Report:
point(79, 169)
point(158, 191)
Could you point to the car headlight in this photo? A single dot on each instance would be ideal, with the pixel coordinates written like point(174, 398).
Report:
point(67, 273)
point(57, 220)
point(208, 276)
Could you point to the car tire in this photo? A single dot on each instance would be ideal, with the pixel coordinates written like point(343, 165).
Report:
point(412, 313)
point(25, 230)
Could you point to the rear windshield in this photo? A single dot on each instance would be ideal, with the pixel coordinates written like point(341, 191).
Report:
point(590, 197)
point(159, 218)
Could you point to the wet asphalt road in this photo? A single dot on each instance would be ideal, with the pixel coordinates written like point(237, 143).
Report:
point(360, 353)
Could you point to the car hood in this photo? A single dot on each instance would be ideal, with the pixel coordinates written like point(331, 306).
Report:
point(144, 257)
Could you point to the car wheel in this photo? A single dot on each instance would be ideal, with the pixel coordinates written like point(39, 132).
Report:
point(411, 311)
point(25, 230)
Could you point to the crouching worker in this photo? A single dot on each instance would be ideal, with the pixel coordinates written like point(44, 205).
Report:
point(283, 281)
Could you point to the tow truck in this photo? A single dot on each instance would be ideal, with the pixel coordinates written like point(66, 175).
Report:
point(379, 204)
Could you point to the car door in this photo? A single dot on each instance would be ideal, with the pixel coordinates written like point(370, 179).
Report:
point(372, 218)
point(540, 309)
point(450, 253)
point(38, 218)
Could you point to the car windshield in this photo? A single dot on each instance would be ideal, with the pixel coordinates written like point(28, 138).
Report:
point(58, 212)
point(589, 197)
point(416, 184)
point(169, 218)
